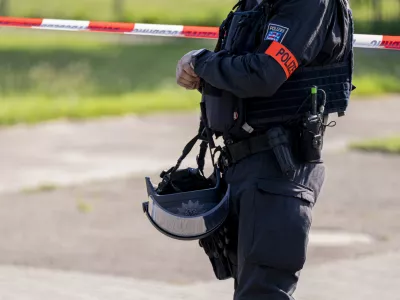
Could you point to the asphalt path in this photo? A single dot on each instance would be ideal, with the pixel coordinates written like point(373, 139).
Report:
point(89, 239)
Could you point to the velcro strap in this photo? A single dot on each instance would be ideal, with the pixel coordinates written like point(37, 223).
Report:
point(247, 147)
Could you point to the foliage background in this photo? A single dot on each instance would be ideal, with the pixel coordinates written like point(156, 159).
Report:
point(47, 74)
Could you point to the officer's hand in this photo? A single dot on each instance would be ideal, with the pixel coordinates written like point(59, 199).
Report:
point(185, 76)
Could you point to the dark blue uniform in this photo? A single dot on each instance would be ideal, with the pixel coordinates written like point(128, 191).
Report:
point(259, 77)
point(313, 30)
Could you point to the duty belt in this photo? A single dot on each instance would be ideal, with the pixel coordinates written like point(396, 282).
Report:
point(242, 149)
point(275, 139)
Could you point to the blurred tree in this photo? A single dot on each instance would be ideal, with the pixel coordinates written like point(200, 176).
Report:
point(377, 8)
point(4, 7)
point(119, 8)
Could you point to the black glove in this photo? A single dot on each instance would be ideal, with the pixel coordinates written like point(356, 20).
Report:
point(215, 246)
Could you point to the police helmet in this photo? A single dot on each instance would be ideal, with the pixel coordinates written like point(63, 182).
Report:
point(186, 205)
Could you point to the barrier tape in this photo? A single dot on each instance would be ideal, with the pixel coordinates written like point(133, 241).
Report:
point(360, 40)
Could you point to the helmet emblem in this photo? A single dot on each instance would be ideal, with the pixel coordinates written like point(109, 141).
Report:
point(191, 208)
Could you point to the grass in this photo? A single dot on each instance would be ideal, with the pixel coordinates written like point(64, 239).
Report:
point(384, 145)
point(47, 187)
point(376, 72)
point(83, 206)
point(46, 65)
point(36, 109)
point(50, 75)
point(196, 12)
point(77, 76)
point(363, 10)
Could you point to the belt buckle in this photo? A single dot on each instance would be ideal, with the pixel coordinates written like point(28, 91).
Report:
point(226, 157)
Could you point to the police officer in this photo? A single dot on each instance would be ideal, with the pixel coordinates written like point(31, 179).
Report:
point(280, 68)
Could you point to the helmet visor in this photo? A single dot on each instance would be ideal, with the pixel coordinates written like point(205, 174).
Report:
point(188, 215)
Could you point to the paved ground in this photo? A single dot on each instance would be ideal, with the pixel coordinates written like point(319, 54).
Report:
point(71, 153)
point(331, 281)
point(98, 231)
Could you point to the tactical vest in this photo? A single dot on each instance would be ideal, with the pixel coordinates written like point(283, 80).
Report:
point(230, 116)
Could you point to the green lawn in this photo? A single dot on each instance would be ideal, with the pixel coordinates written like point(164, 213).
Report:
point(385, 145)
point(205, 12)
point(377, 71)
point(363, 10)
point(34, 109)
point(56, 75)
point(83, 64)
point(155, 11)
point(47, 75)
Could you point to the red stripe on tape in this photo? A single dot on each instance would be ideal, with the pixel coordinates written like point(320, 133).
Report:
point(20, 22)
point(110, 26)
point(200, 32)
point(391, 42)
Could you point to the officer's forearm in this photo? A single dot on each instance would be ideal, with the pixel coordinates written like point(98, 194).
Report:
point(246, 76)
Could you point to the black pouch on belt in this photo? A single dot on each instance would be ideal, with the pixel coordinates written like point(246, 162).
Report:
point(311, 139)
point(279, 143)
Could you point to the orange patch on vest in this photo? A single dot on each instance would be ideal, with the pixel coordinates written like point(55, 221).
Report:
point(283, 57)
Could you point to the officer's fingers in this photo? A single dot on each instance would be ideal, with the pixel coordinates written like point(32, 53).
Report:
point(186, 84)
point(178, 70)
point(185, 81)
point(179, 73)
point(187, 77)
point(188, 69)
point(197, 85)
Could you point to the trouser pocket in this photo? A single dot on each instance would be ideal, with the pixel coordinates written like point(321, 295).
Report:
point(274, 232)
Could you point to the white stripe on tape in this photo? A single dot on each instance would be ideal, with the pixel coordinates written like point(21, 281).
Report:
point(367, 41)
point(70, 25)
point(360, 40)
point(157, 29)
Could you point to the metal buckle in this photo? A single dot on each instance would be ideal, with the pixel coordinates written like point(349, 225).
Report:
point(225, 157)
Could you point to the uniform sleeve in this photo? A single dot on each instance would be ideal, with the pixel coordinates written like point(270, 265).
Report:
point(294, 37)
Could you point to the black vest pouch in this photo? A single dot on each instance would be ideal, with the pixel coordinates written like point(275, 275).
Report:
point(245, 32)
point(225, 111)
point(221, 108)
